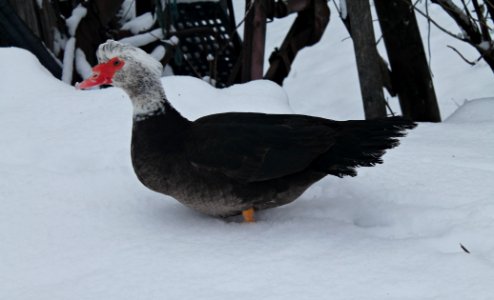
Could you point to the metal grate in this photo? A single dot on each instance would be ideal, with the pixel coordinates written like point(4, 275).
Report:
point(204, 31)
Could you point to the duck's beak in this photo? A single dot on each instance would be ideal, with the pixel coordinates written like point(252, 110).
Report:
point(100, 76)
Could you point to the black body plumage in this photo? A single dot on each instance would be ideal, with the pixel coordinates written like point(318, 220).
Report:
point(225, 163)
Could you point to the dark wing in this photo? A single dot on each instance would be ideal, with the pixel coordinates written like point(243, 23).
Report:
point(252, 147)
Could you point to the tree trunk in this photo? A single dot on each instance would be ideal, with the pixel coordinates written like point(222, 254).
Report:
point(368, 66)
point(409, 69)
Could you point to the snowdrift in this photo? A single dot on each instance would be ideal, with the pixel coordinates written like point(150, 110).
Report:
point(77, 224)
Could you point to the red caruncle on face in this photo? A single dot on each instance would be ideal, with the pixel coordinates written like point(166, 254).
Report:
point(102, 73)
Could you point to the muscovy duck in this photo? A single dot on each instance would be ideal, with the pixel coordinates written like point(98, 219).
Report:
point(233, 163)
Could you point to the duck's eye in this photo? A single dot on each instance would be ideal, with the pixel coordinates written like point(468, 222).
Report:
point(116, 63)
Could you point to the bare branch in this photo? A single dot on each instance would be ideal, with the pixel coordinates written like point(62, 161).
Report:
point(464, 248)
point(461, 19)
point(389, 107)
point(482, 22)
point(337, 8)
point(490, 7)
point(461, 55)
point(439, 26)
point(467, 11)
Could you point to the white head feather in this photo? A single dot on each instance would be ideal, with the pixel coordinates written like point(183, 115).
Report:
point(111, 49)
point(139, 77)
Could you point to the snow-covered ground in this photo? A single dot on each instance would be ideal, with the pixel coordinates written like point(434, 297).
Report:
point(75, 223)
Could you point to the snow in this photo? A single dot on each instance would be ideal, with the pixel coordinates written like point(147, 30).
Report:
point(174, 40)
point(485, 45)
point(158, 53)
point(73, 21)
point(68, 60)
point(81, 64)
point(127, 11)
point(140, 23)
point(59, 41)
point(143, 38)
point(77, 224)
point(476, 111)
point(343, 10)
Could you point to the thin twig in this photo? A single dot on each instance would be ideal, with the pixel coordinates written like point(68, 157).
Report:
point(337, 7)
point(246, 14)
point(439, 26)
point(389, 107)
point(461, 55)
point(464, 248)
point(467, 12)
point(446, 6)
point(473, 34)
point(192, 67)
point(484, 28)
point(490, 8)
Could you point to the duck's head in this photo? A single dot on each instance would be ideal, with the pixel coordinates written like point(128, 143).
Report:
point(131, 69)
point(123, 66)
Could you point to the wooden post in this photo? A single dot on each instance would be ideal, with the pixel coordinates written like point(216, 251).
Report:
point(306, 30)
point(48, 21)
point(409, 69)
point(254, 41)
point(26, 11)
point(367, 57)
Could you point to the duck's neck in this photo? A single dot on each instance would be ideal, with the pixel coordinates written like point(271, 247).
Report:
point(150, 100)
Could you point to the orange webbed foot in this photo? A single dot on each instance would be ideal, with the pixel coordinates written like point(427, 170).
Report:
point(248, 215)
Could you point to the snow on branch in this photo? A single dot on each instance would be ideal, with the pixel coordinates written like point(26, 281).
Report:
point(68, 61)
point(426, 15)
point(475, 32)
point(143, 38)
point(343, 10)
point(139, 24)
point(73, 21)
point(462, 19)
point(82, 67)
